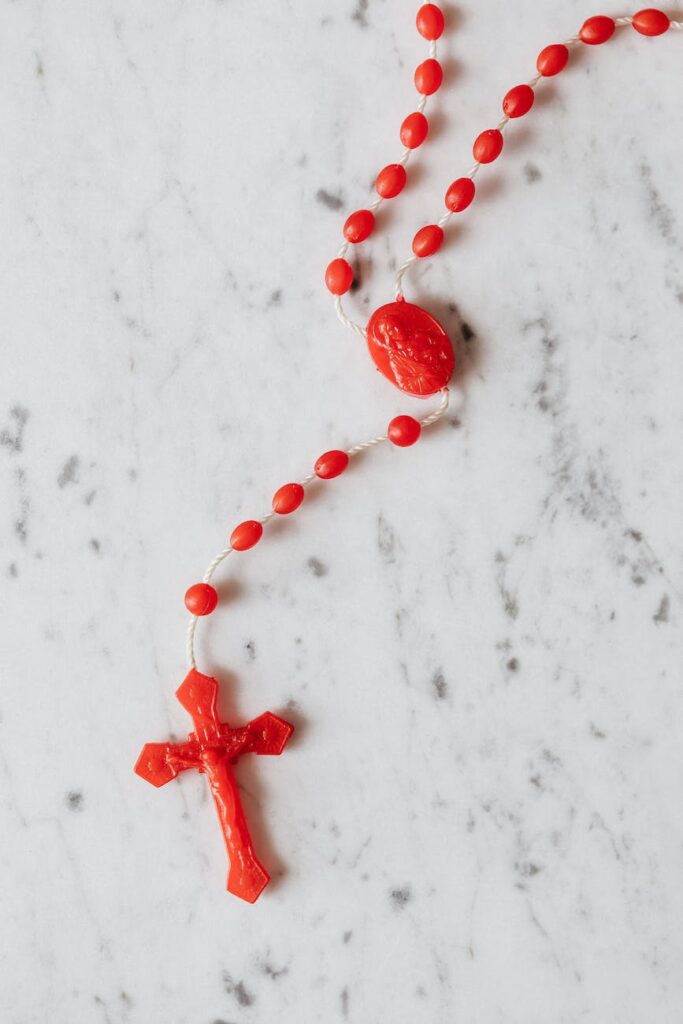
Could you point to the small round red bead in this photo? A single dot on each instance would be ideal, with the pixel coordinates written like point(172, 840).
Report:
point(552, 60)
point(597, 30)
point(428, 240)
point(390, 181)
point(488, 146)
point(339, 276)
point(414, 130)
point(246, 535)
point(460, 194)
point(428, 77)
point(651, 22)
point(404, 431)
point(429, 21)
point(287, 499)
point(331, 464)
point(518, 101)
point(359, 226)
point(201, 599)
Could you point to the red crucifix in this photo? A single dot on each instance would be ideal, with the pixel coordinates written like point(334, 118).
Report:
point(213, 748)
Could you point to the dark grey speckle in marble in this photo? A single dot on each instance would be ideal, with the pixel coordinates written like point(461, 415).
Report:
point(440, 685)
point(662, 613)
point(69, 471)
point(74, 800)
point(360, 12)
point(12, 437)
point(238, 990)
point(401, 897)
point(332, 202)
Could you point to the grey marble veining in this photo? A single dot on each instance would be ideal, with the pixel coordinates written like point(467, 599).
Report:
point(478, 639)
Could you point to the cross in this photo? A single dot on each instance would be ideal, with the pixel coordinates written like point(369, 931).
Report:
point(213, 748)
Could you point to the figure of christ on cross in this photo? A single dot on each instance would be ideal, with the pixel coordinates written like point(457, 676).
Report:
point(213, 748)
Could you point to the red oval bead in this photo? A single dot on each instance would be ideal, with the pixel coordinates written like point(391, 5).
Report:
point(339, 276)
point(359, 226)
point(597, 30)
point(246, 535)
point(414, 130)
point(651, 22)
point(428, 77)
point(391, 180)
point(331, 464)
point(460, 194)
point(488, 146)
point(201, 599)
point(429, 21)
point(411, 348)
point(427, 240)
point(287, 499)
point(552, 60)
point(518, 101)
point(404, 431)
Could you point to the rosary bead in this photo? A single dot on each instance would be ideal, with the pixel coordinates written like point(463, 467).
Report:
point(427, 240)
point(339, 276)
point(359, 226)
point(428, 77)
point(459, 195)
point(488, 146)
point(429, 21)
point(331, 464)
point(404, 431)
point(597, 30)
point(287, 499)
point(518, 101)
point(390, 181)
point(650, 22)
point(201, 599)
point(246, 535)
point(552, 60)
point(414, 130)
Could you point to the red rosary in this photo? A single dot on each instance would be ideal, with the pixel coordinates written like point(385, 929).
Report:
point(412, 350)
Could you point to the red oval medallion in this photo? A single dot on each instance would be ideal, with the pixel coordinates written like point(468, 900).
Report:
point(410, 348)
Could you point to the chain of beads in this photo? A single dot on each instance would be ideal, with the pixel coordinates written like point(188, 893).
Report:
point(403, 431)
point(489, 144)
point(391, 180)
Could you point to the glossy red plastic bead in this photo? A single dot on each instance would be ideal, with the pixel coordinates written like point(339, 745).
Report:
point(414, 130)
point(201, 599)
point(552, 60)
point(390, 181)
point(460, 194)
point(331, 464)
point(428, 240)
point(651, 22)
point(597, 30)
point(488, 146)
point(339, 276)
point(429, 21)
point(404, 431)
point(428, 77)
point(518, 101)
point(359, 226)
point(246, 535)
point(287, 499)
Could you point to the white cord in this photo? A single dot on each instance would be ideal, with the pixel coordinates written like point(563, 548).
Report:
point(426, 421)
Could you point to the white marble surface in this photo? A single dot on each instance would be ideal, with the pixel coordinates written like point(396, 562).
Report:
point(479, 638)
